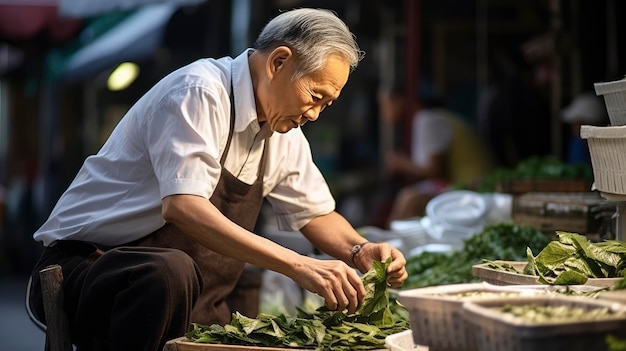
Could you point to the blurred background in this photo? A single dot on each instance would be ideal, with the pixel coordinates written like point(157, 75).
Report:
point(507, 67)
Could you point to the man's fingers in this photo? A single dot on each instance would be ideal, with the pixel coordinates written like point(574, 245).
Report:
point(355, 292)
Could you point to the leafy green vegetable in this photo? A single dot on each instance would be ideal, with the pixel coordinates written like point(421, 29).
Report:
point(378, 316)
point(503, 241)
point(573, 259)
point(614, 343)
point(547, 167)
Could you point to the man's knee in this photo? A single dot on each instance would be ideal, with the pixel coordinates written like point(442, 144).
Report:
point(159, 268)
point(173, 263)
point(181, 270)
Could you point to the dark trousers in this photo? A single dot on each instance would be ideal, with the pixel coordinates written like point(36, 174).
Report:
point(125, 298)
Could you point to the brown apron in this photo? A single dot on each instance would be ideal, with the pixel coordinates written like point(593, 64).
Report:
point(241, 203)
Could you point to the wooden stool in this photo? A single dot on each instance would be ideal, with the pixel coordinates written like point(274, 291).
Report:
point(57, 325)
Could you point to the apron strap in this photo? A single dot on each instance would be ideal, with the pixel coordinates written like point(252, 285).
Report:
point(232, 124)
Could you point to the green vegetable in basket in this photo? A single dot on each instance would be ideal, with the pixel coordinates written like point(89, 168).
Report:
point(378, 316)
point(534, 313)
point(573, 258)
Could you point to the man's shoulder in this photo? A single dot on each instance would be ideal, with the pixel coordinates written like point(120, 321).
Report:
point(205, 69)
point(203, 73)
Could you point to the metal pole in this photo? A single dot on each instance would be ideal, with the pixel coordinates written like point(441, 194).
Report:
point(620, 220)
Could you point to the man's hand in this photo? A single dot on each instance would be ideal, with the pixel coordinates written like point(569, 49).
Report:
point(336, 282)
point(396, 273)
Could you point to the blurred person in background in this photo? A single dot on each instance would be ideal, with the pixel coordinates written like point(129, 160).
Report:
point(444, 150)
point(584, 109)
point(154, 231)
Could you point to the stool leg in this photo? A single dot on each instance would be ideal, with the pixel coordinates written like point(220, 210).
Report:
point(57, 330)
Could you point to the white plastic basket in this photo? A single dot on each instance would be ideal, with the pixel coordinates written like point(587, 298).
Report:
point(435, 312)
point(614, 94)
point(493, 330)
point(403, 341)
point(607, 148)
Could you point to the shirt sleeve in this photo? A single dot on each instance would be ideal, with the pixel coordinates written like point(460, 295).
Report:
point(432, 135)
point(301, 192)
point(184, 136)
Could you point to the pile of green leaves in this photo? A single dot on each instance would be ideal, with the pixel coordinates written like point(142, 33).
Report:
point(615, 343)
point(378, 316)
point(546, 167)
point(503, 241)
point(573, 258)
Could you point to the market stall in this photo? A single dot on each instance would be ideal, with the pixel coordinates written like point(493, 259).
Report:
point(531, 259)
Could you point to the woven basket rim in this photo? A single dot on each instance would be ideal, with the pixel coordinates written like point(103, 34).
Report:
point(597, 132)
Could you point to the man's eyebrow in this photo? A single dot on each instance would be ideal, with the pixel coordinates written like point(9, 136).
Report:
point(327, 93)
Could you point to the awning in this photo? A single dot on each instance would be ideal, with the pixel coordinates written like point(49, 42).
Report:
point(108, 40)
point(89, 8)
point(26, 19)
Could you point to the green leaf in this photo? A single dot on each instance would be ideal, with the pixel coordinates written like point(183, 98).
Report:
point(249, 325)
point(531, 267)
point(570, 278)
point(620, 284)
point(554, 255)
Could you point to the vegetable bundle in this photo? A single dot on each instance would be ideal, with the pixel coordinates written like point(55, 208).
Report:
point(377, 317)
point(572, 259)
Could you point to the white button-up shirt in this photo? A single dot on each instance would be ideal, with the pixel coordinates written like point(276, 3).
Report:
point(170, 142)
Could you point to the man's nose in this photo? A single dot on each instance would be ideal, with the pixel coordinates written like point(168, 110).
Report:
point(312, 114)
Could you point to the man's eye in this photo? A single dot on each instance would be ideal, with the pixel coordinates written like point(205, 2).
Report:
point(326, 105)
point(316, 98)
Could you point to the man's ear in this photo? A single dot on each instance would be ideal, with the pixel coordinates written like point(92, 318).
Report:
point(277, 60)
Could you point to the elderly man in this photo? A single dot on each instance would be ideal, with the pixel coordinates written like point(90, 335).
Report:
point(154, 231)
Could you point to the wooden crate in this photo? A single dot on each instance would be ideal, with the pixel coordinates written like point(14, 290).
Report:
point(521, 186)
point(183, 344)
point(551, 212)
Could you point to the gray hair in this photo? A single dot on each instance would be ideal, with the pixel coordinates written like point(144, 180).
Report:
point(314, 35)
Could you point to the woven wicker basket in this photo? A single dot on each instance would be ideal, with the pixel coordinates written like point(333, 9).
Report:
point(614, 94)
point(607, 148)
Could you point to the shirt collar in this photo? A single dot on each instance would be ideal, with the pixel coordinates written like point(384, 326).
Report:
point(245, 106)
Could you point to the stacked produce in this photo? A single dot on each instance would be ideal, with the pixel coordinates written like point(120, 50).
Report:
point(378, 316)
point(564, 307)
point(572, 260)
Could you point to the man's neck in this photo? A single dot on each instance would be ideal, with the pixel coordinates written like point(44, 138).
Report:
point(256, 64)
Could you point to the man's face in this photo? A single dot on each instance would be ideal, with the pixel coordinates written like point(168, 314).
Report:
point(293, 103)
